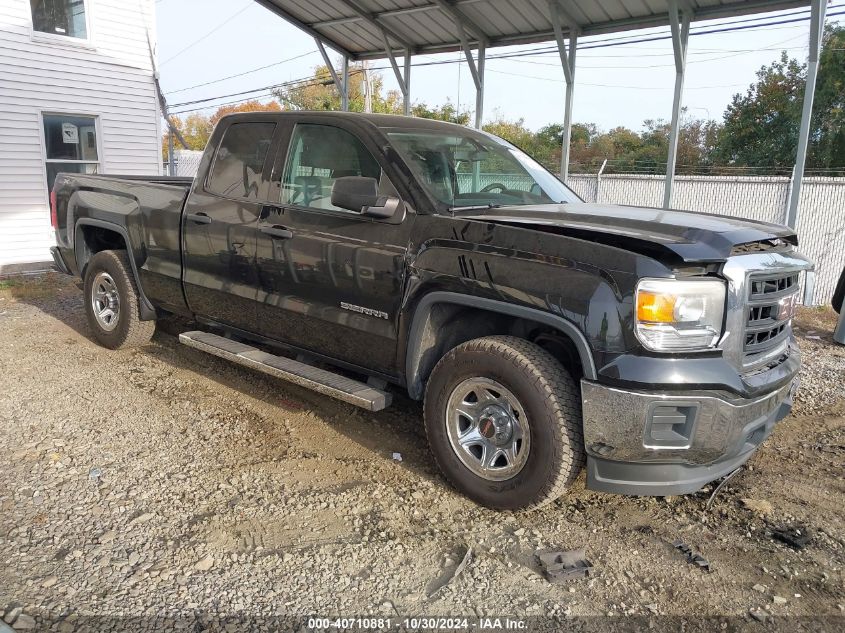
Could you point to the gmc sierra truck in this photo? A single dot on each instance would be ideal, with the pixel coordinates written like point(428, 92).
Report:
point(356, 254)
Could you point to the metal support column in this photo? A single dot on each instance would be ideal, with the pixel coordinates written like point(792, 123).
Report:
point(171, 158)
point(476, 69)
point(479, 86)
point(817, 13)
point(368, 88)
point(680, 39)
point(567, 60)
point(344, 93)
point(407, 96)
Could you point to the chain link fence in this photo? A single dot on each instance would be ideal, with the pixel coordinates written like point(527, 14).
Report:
point(187, 163)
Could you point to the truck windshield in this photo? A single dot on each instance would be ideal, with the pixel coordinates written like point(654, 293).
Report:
point(470, 171)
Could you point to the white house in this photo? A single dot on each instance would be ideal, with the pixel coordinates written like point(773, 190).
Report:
point(76, 94)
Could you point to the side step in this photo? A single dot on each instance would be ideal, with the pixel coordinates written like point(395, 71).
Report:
point(319, 380)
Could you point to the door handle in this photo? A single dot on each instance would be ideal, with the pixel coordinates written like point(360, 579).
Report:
point(279, 232)
point(199, 218)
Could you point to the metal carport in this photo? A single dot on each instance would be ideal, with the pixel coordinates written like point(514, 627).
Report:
point(369, 29)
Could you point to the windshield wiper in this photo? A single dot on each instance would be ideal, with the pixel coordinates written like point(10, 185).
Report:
point(478, 207)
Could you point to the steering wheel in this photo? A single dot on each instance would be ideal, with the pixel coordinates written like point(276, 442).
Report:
point(494, 185)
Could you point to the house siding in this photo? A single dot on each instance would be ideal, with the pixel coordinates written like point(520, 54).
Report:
point(108, 77)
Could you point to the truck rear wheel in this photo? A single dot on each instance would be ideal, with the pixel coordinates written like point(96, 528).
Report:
point(503, 419)
point(112, 302)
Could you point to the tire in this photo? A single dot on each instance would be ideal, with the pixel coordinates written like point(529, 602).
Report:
point(547, 412)
point(111, 272)
point(838, 301)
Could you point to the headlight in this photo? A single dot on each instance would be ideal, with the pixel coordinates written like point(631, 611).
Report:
point(680, 315)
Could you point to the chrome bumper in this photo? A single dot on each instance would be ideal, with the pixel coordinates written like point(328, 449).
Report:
point(672, 443)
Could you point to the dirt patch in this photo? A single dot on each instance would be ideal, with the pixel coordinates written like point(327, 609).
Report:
point(162, 479)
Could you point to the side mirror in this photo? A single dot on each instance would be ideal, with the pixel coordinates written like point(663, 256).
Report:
point(354, 193)
point(360, 194)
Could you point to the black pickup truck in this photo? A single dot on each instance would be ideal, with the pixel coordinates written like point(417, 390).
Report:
point(349, 252)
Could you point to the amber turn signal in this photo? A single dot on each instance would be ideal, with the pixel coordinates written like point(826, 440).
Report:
point(654, 307)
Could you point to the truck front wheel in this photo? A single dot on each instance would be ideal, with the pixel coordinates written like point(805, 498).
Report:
point(503, 419)
point(111, 302)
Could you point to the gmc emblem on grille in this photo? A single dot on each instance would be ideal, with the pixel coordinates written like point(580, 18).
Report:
point(787, 307)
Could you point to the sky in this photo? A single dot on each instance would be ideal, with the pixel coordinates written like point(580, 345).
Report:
point(202, 41)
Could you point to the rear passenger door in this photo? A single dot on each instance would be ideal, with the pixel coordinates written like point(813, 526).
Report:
point(220, 222)
point(331, 280)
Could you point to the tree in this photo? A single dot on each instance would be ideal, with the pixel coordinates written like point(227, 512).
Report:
point(446, 112)
point(761, 127)
point(829, 106)
point(249, 106)
point(320, 92)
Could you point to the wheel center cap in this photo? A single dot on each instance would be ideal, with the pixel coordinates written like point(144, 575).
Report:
point(496, 425)
point(487, 427)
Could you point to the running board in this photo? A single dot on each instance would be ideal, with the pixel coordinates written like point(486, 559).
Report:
point(308, 376)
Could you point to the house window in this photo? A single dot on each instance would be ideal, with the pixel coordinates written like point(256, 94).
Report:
point(60, 17)
point(71, 145)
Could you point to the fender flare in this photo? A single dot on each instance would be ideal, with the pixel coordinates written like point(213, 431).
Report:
point(148, 311)
point(414, 353)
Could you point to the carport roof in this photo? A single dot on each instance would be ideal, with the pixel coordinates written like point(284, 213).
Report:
point(357, 28)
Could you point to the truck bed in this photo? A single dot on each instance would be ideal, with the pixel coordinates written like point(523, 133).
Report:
point(145, 210)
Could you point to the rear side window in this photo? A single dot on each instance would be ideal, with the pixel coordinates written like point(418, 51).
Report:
point(239, 162)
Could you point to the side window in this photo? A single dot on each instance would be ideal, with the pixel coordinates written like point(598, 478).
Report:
point(59, 17)
point(239, 162)
point(71, 145)
point(318, 155)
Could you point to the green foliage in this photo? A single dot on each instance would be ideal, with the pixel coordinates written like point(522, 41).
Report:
point(761, 127)
point(828, 148)
point(446, 112)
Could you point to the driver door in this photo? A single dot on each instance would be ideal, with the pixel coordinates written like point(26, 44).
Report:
point(331, 280)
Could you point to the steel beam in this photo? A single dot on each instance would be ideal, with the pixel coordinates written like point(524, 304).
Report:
point(477, 72)
point(388, 49)
point(729, 10)
point(479, 87)
point(337, 81)
point(817, 13)
point(368, 97)
point(680, 38)
point(344, 78)
point(376, 20)
point(565, 15)
point(455, 14)
point(406, 96)
point(567, 61)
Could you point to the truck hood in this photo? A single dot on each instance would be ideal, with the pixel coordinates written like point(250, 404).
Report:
point(694, 237)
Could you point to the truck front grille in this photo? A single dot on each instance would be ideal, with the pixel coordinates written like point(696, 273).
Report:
point(771, 299)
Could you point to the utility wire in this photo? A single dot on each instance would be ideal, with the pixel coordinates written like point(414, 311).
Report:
point(209, 33)
point(246, 72)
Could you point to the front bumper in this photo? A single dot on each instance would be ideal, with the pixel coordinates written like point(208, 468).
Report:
point(669, 443)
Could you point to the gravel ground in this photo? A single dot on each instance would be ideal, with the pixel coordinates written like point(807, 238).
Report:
point(165, 482)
